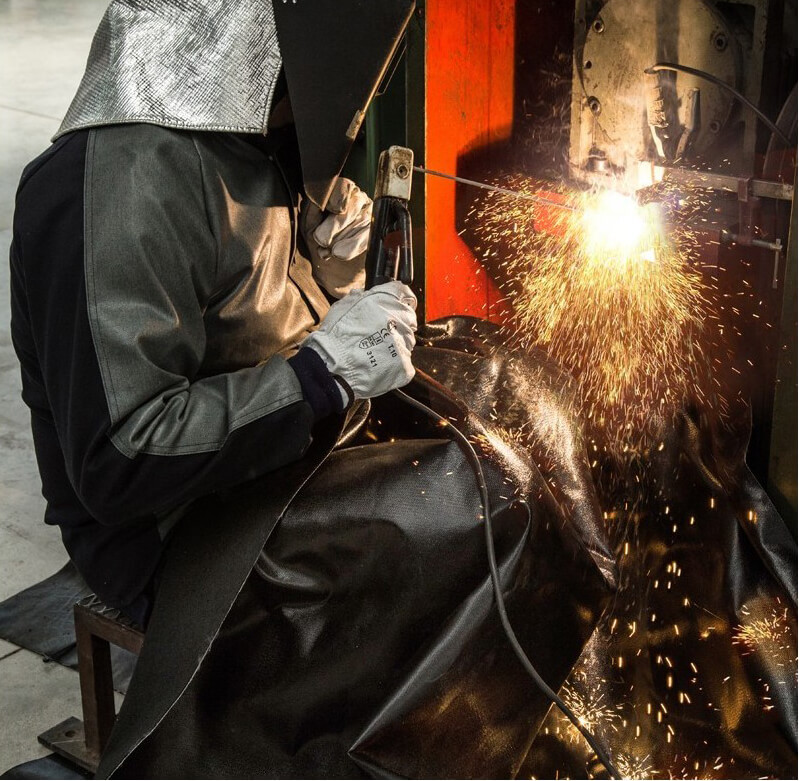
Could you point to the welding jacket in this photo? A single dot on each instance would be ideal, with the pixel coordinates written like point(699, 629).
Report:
point(157, 292)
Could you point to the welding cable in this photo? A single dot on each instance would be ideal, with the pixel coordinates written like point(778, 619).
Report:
point(677, 68)
point(540, 683)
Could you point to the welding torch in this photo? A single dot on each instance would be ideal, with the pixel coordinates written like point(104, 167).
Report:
point(390, 253)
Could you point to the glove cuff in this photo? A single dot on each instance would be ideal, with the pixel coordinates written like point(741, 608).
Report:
point(319, 387)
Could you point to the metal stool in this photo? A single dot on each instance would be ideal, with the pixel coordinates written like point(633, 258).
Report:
point(96, 627)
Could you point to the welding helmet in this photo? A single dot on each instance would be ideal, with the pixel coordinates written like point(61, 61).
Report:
point(215, 65)
point(335, 54)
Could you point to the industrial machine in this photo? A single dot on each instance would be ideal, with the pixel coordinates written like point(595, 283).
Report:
point(653, 98)
point(681, 97)
point(672, 93)
point(689, 107)
point(625, 119)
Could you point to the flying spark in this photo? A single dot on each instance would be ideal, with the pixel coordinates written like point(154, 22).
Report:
point(609, 293)
point(633, 768)
point(771, 635)
point(589, 706)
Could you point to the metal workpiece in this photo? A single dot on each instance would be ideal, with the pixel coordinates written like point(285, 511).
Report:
point(611, 68)
point(743, 186)
point(597, 161)
point(662, 116)
point(692, 123)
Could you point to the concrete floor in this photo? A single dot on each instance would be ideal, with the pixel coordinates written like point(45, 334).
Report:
point(43, 49)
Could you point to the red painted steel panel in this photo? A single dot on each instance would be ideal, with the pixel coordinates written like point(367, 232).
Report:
point(469, 93)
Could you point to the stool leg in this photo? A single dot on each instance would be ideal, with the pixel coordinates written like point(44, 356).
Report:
point(96, 686)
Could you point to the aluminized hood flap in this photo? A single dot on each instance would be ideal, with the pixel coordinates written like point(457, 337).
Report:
point(190, 64)
point(213, 65)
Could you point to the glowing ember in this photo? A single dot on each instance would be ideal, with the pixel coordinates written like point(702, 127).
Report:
point(589, 706)
point(632, 767)
point(770, 635)
point(610, 296)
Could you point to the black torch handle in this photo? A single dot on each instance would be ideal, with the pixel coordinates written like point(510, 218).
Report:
point(390, 254)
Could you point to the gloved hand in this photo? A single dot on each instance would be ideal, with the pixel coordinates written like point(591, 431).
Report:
point(338, 237)
point(366, 339)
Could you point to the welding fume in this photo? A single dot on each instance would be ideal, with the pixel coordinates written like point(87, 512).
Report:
point(491, 474)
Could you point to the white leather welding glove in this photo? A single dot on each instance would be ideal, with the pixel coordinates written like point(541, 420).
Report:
point(337, 238)
point(366, 339)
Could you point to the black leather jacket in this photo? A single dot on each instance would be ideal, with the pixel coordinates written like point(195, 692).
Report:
point(157, 290)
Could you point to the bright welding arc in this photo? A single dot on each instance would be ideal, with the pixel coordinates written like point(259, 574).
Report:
point(609, 293)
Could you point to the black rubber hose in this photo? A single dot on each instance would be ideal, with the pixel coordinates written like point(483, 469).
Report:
point(677, 68)
point(542, 685)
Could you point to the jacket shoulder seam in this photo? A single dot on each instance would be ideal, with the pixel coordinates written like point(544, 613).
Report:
point(88, 271)
point(203, 186)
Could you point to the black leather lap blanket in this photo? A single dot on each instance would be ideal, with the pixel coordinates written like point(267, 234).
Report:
point(336, 619)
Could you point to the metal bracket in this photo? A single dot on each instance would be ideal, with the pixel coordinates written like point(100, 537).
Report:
point(96, 627)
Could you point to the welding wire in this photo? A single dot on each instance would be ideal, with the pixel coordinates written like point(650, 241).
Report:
point(679, 68)
point(474, 462)
point(482, 185)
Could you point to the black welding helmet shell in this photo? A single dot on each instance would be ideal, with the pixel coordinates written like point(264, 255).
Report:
point(335, 53)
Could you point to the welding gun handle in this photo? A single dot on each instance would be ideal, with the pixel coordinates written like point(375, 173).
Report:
point(390, 254)
point(404, 270)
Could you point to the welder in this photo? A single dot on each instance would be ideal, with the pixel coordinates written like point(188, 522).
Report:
point(174, 256)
